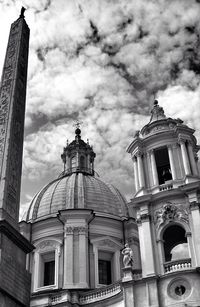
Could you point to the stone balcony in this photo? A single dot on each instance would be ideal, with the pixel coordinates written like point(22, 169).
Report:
point(177, 265)
point(86, 297)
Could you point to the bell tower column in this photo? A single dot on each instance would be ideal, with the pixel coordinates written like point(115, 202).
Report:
point(186, 162)
point(192, 159)
point(154, 169)
point(136, 173)
point(140, 170)
point(171, 161)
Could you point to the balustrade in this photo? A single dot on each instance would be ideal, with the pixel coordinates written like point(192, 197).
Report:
point(177, 265)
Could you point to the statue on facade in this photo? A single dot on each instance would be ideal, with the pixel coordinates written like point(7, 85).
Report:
point(127, 256)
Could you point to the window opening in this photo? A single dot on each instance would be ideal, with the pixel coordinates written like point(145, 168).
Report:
point(49, 273)
point(180, 290)
point(105, 267)
point(175, 243)
point(104, 272)
point(48, 269)
point(82, 162)
point(163, 165)
point(73, 161)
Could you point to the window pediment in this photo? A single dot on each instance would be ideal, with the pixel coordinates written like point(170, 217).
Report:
point(107, 242)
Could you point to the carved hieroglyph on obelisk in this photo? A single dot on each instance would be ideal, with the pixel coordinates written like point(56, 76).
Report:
point(12, 110)
point(15, 280)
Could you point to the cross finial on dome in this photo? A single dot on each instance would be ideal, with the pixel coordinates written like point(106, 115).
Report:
point(77, 125)
point(157, 112)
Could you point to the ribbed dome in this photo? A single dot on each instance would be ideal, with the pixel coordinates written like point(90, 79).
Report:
point(77, 191)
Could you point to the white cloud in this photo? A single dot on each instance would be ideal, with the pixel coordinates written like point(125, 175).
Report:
point(103, 62)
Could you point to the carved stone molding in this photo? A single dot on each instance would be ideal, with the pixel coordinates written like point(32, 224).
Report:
point(49, 245)
point(133, 240)
point(170, 212)
point(194, 205)
point(69, 230)
point(145, 217)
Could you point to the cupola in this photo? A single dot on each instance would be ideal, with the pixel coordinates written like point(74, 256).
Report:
point(164, 154)
point(78, 156)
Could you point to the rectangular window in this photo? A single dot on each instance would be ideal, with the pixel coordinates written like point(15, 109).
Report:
point(104, 272)
point(163, 165)
point(47, 267)
point(105, 267)
point(49, 273)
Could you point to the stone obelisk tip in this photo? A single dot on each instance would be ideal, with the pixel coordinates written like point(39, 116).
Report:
point(22, 12)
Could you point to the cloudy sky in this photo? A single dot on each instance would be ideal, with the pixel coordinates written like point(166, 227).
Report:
point(103, 62)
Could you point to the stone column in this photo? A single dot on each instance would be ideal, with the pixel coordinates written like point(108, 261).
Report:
point(83, 255)
point(171, 161)
point(68, 257)
point(146, 245)
point(140, 171)
point(192, 160)
point(154, 168)
point(186, 162)
point(135, 167)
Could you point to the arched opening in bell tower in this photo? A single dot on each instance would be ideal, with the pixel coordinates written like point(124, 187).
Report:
point(163, 165)
point(175, 243)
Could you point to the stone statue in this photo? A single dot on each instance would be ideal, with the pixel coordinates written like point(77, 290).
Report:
point(128, 256)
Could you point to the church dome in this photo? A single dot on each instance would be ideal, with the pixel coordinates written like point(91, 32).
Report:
point(78, 187)
point(76, 191)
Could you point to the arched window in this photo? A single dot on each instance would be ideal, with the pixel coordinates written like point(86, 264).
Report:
point(175, 243)
point(163, 165)
point(73, 161)
point(82, 162)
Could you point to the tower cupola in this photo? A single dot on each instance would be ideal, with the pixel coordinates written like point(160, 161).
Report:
point(78, 156)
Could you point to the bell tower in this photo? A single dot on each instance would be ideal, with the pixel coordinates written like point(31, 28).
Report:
point(167, 201)
point(14, 278)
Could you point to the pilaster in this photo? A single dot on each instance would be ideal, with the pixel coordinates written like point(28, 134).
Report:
point(76, 264)
point(146, 244)
point(195, 215)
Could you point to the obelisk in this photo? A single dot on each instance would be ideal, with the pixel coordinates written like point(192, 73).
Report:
point(14, 278)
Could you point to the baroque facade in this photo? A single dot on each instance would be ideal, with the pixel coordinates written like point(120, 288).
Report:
point(92, 248)
point(79, 226)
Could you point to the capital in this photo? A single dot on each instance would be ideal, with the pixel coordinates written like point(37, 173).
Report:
point(194, 205)
point(139, 154)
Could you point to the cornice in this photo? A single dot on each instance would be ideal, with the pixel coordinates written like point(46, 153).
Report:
point(15, 236)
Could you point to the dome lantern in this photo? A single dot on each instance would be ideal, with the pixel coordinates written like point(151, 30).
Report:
point(78, 156)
